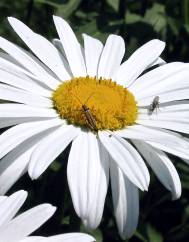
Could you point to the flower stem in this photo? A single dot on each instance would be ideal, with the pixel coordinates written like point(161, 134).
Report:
point(185, 11)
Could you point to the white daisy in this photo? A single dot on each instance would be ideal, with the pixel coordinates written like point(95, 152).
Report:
point(84, 95)
point(17, 229)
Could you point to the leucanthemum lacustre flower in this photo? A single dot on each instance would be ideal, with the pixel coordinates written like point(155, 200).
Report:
point(18, 229)
point(66, 93)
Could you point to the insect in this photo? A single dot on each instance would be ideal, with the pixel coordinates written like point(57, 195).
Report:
point(154, 105)
point(88, 115)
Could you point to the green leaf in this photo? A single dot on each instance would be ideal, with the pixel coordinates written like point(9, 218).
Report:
point(65, 10)
point(131, 18)
point(114, 4)
point(174, 25)
point(55, 166)
point(186, 27)
point(48, 2)
point(140, 236)
point(153, 234)
point(156, 17)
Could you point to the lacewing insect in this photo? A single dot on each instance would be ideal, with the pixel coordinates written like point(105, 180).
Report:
point(154, 105)
point(88, 115)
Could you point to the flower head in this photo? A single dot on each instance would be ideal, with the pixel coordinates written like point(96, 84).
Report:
point(17, 229)
point(69, 93)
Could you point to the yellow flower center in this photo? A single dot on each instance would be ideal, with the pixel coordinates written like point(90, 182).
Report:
point(96, 104)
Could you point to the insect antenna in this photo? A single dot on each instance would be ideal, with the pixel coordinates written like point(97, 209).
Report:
point(88, 98)
point(77, 98)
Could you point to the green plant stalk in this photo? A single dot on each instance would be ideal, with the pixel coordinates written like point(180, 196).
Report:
point(185, 12)
point(56, 5)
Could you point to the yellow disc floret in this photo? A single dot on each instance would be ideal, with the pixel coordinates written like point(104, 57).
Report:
point(94, 103)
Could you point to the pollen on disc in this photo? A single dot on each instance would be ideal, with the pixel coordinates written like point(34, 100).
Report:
point(111, 105)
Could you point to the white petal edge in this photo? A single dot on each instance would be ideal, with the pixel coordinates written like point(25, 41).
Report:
point(174, 150)
point(10, 75)
point(41, 47)
point(6, 122)
point(159, 61)
point(127, 158)
point(26, 223)
point(125, 201)
point(28, 62)
point(71, 237)
point(98, 179)
point(10, 206)
point(175, 125)
point(71, 46)
point(162, 167)
point(139, 61)
point(77, 173)
point(93, 49)
point(140, 132)
point(13, 94)
point(111, 56)
point(21, 132)
point(8, 110)
point(157, 75)
point(15, 163)
point(42, 156)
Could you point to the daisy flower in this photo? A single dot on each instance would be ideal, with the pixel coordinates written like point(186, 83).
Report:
point(17, 229)
point(108, 109)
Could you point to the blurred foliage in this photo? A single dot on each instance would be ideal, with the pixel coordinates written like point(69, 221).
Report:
point(138, 21)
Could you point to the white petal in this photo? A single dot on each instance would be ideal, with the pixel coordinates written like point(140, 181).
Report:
point(172, 111)
point(58, 44)
point(111, 57)
point(13, 68)
point(93, 49)
point(23, 111)
point(159, 61)
point(42, 156)
point(127, 158)
point(174, 83)
point(15, 78)
point(10, 206)
point(26, 223)
point(17, 134)
point(139, 61)
point(71, 47)
point(125, 200)
point(78, 168)
point(12, 168)
point(141, 132)
point(17, 95)
point(174, 150)
point(6, 122)
point(98, 178)
point(33, 239)
point(158, 75)
point(165, 96)
point(15, 163)
point(180, 108)
point(162, 167)
point(41, 47)
point(28, 62)
point(71, 237)
point(2, 198)
point(176, 125)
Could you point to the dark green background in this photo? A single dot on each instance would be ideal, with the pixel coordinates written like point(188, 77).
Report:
point(137, 21)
